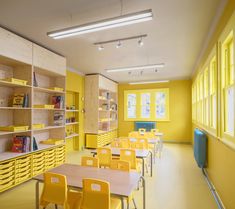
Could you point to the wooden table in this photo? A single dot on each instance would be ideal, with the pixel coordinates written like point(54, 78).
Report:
point(122, 183)
point(140, 153)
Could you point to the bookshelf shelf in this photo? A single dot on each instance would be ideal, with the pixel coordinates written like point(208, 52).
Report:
point(71, 136)
point(72, 110)
point(2, 133)
point(48, 128)
point(47, 90)
point(15, 108)
point(10, 84)
point(51, 109)
point(74, 123)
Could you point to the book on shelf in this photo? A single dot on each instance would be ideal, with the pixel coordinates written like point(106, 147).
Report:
point(35, 144)
point(58, 118)
point(21, 144)
point(20, 100)
point(57, 101)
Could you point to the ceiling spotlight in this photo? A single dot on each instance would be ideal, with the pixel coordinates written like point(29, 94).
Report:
point(100, 48)
point(140, 42)
point(119, 44)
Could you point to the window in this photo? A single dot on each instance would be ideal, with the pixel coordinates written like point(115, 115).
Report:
point(228, 86)
point(131, 105)
point(160, 105)
point(213, 116)
point(194, 102)
point(201, 99)
point(206, 98)
point(146, 105)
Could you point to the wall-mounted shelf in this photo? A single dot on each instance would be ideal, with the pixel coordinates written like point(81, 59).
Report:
point(46, 90)
point(71, 136)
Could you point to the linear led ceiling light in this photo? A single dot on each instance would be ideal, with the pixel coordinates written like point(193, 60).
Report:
point(143, 67)
point(147, 82)
point(123, 20)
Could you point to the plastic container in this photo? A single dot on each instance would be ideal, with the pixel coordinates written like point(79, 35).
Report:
point(45, 106)
point(53, 141)
point(14, 128)
point(16, 81)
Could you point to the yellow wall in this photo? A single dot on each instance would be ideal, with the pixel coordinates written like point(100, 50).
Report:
point(179, 127)
point(75, 83)
point(221, 158)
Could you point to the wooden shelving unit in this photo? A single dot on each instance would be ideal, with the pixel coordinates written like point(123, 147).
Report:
point(101, 110)
point(21, 59)
point(72, 120)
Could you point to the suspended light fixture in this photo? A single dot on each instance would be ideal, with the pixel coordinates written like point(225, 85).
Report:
point(119, 21)
point(119, 44)
point(143, 67)
point(148, 82)
point(100, 48)
point(140, 42)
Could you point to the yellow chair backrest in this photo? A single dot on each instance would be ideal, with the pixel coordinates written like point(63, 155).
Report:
point(133, 134)
point(54, 190)
point(96, 194)
point(116, 144)
point(143, 141)
point(90, 161)
point(120, 165)
point(149, 135)
point(124, 143)
point(137, 145)
point(129, 156)
point(104, 155)
point(154, 130)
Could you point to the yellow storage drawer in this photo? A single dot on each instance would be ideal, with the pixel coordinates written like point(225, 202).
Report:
point(6, 180)
point(23, 160)
point(21, 165)
point(38, 160)
point(6, 175)
point(6, 165)
point(7, 170)
point(38, 155)
point(22, 178)
point(6, 185)
point(23, 169)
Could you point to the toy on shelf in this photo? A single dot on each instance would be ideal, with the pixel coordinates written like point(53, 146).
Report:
point(21, 144)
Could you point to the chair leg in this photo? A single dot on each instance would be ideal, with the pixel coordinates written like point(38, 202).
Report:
point(128, 205)
point(56, 207)
point(133, 200)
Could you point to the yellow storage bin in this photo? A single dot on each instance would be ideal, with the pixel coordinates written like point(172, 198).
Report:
point(23, 160)
point(6, 185)
point(38, 126)
point(16, 81)
point(6, 170)
point(53, 141)
point(6, 165)
point(6, 175)
point(14, 128)
point(6, 180)
point(45, 106)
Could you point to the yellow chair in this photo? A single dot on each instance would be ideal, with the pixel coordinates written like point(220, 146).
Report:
point(144, 143)
point(120, 165)
point(141, 131)
point(55, 191)
point(96, 195)
point(125, 143)
point(129, 156)
point(90, 161)
point(133, 134)
point(123, 166)
point(104, 155)
point(116, 144)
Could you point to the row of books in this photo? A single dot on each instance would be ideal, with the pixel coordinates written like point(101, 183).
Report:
point(22, 144)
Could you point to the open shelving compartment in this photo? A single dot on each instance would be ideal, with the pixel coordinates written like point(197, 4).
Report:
point(72, 120)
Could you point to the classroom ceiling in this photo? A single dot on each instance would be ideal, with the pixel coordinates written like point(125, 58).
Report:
point(175, 35)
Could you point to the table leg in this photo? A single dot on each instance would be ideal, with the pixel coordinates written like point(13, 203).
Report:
point(142, 166)
point(144, 195)
point(123, 205)
point(151, 163)
point(37, 194)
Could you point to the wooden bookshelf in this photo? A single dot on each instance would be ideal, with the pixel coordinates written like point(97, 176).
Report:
point(20, 60)
point(101, 115)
